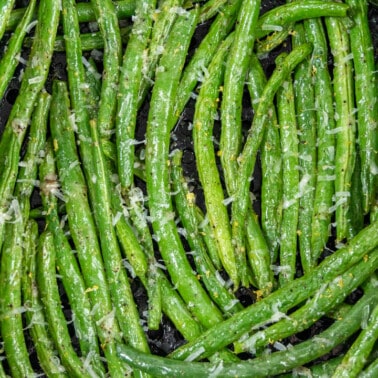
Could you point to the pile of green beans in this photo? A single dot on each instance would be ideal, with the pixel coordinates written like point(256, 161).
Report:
point(109, 236)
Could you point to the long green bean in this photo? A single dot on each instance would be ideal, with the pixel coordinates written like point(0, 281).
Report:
point(157, 173)
point(33, 81)
point(325, 124)
point(267, 365)
point(283, 299)
point(68, 268)
point(290, 177)
point(271, 163)
point(327, 297)
point(345, 121)
point(203, 55)
point(304, 98)
point(205, 112)
point(365, 97)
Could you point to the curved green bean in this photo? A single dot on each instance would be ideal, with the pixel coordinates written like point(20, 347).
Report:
point(304, 98)
point(296, 11)
point(283, 299)
point(267, 365)
point(157, 172)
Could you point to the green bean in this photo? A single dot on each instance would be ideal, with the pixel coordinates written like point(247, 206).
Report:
point(345, 121)
point(68, 268)
point(35, 316)
point(325, 124)
point(10, 59)
point(283, 299)
point(6, 7)
point(82, 227)
point(157, 172)
point(236, 69)
point(11, 258)
point(267, 365)
point(247, 157)
point(108, 22)
point(130, 80)
point(125, 308)
point(354, 360)
point(48, 286)
point(271, 163)
point(124, 9)
point(304, 98)
point(296, 11)
point(365, 94)
point(205, 112)
point(32, 82)
point(164, 18)
point(327, 297)
point(185, 205)
point(290, 162)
